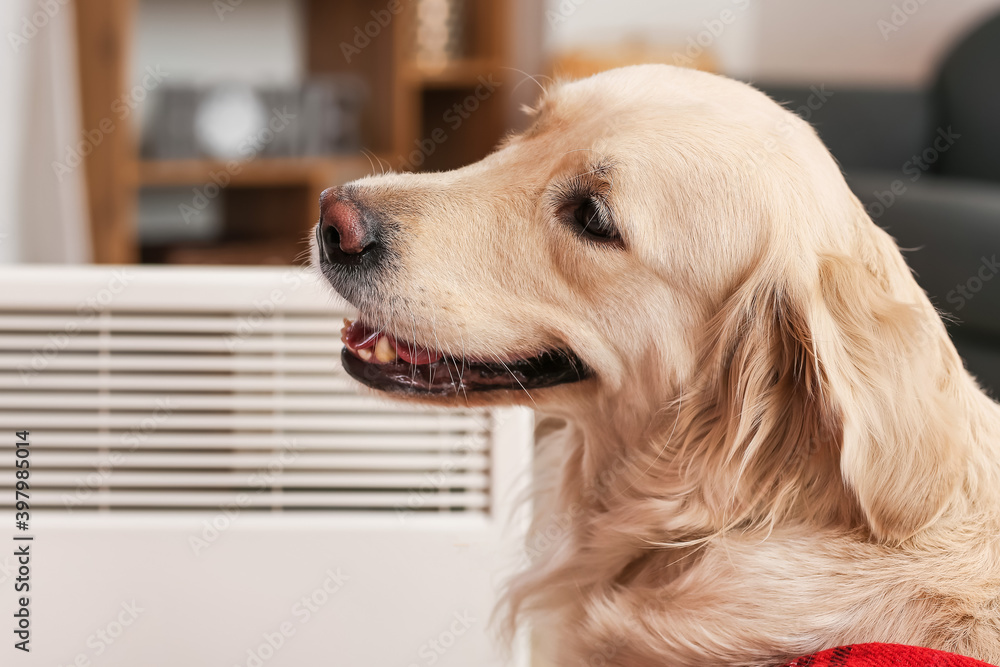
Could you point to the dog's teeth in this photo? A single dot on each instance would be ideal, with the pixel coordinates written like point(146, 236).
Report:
point(364, 354)
point(384, 351)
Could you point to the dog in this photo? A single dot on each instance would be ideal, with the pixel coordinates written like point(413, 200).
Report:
point(755, 438)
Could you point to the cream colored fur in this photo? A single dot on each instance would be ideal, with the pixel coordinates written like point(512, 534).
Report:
point(780, 450)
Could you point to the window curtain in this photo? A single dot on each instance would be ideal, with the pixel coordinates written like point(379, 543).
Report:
point(43, 211)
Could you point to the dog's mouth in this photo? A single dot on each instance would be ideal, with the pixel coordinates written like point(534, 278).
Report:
point(383, 362)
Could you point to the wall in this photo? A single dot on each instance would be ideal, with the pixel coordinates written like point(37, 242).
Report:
point(13, 69)
point(837, 42)
point(259, 41)
point(857, 41)
point(587, 24)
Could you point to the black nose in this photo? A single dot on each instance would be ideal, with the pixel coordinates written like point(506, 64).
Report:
point(346, 231)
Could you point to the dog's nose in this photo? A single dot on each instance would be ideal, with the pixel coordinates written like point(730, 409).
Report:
point(345, 232)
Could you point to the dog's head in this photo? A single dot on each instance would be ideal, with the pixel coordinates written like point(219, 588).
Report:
point(658, 236)
point(594, 245)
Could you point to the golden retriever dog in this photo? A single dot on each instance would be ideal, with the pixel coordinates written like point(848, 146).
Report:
point(756, 439)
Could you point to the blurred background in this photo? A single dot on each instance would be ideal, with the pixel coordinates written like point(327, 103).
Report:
point(199, 453)
point(202, 131)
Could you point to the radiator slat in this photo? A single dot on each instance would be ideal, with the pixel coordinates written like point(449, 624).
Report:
point(238, 400)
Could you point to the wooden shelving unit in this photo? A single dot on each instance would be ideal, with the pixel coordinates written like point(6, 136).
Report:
point(270, 205)
point(104, 43)
point(264, 201)
point(262, 171)
point(458, 75)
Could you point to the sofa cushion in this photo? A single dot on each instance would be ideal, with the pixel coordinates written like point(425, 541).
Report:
point(966, 98)
point(950, 229)
point(863, 128)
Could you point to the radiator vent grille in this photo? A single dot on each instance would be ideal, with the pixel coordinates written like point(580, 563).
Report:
point(174, 409)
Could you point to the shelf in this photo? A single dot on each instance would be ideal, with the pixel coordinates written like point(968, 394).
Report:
point(271, 201)
point(456, 74)
point(261, 172)
point(273, 252)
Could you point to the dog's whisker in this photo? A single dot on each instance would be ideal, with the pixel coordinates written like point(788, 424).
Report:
point(464, 352)
point(371, 162)
point(461, 374)
point(529, 77)
point(439, 350)
point(501, 362)
point(413, 339)
point(386, 167)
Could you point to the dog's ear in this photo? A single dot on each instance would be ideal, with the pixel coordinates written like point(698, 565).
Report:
point(895, 382)
point(835, 372)
point(762, 410)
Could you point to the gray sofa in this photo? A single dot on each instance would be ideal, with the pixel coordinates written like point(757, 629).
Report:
point(926, 164)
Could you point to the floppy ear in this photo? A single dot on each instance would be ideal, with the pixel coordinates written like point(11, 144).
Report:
point(896, 382)
point(844, 369)
point(763, 410)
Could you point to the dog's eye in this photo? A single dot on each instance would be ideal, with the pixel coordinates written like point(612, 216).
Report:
point(592, 220)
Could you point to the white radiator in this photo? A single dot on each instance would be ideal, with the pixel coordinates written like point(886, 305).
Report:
point(208, 487)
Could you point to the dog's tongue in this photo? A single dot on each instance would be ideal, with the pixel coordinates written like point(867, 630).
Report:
point(371, 345)
point(357, 336)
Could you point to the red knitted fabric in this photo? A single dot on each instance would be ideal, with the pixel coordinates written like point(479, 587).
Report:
point(884, 655)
